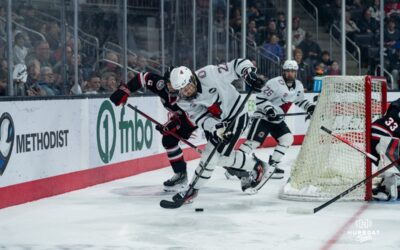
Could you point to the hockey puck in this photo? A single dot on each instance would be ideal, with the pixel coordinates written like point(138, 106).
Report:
point(199, 209)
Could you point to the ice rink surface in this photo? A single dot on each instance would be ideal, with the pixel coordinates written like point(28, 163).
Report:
point(125, 214)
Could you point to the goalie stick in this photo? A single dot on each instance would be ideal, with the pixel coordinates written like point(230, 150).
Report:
point(170, 132)
point(178, 203)
point(344, 193)
point(299, 210)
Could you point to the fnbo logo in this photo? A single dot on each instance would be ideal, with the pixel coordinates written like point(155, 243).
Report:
point(132, 135)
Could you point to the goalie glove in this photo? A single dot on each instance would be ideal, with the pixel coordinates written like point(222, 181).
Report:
point(272, 115)
point(310, 111)
point(252, 80)
point(172, 125)
point(220, 132)
point(120, 96)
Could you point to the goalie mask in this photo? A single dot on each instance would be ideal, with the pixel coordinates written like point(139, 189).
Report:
point(184, 80)
point(289, 73)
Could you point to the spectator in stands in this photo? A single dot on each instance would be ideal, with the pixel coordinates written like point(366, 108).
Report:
point(236, 20)
point(304, 73)
point(132, 61)
point(375, 9)
point(33, 72)
point(111, 64)
point(255, 15)
point(351, 26)
point(20, 75)
point(392, 36)
point(311, 50)
point(252, 32)
point(53, 35)
point(298, 34)
point(367, 24)
point(20, 51)
point(392, 8)
point(93, 85)
point(47, 82)
point(281, 27)
point(394, 68)
point(272, 49)
point(326, 58)
point(108, 83)
point(141, 64)
point(41, 53)
point(334, 69)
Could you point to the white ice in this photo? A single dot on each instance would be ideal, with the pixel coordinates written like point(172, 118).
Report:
point(125, 214)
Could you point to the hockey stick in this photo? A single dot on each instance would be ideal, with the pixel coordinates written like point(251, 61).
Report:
point(298, 210)
point(293, 114)
point(372, 157)
point(169, 132)
point(179, 203)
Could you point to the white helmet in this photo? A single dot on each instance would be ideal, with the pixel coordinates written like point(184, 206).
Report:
point(290, 65)
point(20, 73)
point(180, 77)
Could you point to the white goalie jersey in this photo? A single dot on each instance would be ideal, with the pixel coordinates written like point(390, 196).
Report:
point(217, 99)
point(277, 95)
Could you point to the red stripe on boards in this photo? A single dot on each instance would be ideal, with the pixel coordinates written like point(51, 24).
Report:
point(34, 190)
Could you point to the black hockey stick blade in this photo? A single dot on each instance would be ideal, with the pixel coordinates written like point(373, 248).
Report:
point(170, 204)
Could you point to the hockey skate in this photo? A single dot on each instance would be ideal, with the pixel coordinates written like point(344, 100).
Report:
point(257, 178)
point(185, 197)
point(278, 174)
point(177, 182)
point(232, 172)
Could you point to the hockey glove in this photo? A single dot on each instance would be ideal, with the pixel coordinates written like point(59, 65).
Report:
point(271, 114)
point(251, 79)
point(310, 111)
point(171, 126)
point(221, 133)
point(120, 96)
point(168, 72)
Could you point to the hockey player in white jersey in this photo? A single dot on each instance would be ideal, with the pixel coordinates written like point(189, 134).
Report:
point(273, 102)
point(212, 103)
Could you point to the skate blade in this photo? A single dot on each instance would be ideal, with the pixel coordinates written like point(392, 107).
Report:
point(175, 189)
point(266, 177)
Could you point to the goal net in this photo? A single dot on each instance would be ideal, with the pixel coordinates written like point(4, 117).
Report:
point(326, 166)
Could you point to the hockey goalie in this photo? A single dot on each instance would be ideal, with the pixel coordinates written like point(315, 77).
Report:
point(385, 146)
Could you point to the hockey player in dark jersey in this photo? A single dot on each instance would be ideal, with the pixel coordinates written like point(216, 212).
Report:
point(177, 123)
point(385, 146)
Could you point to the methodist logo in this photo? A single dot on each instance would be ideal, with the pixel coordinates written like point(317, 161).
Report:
point(132, 135)
point(7, 135)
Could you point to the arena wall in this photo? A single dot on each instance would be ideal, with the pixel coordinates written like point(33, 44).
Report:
point(64, 145)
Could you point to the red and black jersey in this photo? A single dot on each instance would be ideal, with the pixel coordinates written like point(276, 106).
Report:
point(389, 124)
point(157, 84)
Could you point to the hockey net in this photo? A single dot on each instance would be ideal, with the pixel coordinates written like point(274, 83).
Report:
point(326, 166)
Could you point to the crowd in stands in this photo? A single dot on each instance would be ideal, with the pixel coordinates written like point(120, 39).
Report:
point(268, 30)
point(50, 73)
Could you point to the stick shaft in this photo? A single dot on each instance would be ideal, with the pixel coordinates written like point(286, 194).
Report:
point(293, 114)
point(369, 178)
point(170, 132)
point(372, 157)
